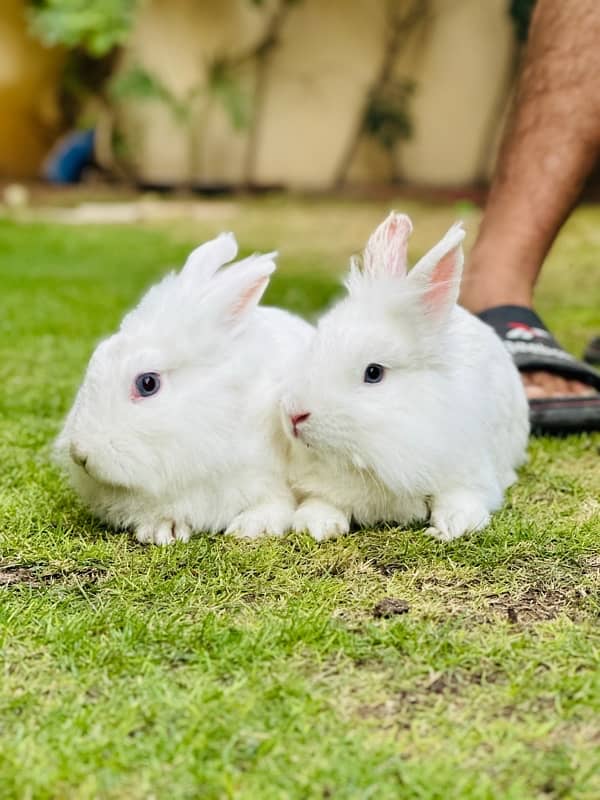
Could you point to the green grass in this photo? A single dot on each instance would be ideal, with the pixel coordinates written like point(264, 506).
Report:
point(258, 670)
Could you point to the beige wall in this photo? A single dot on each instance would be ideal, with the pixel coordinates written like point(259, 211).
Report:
point(175, 40)
point(309, 97)
point(29, 75)
point(460, 55)
point(329, 55)
point(463, 71)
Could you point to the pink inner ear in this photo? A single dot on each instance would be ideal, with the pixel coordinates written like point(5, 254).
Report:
point(385, 253)
point(442, 280)
point(393, 227)
point(397, 238)
point(249, 296)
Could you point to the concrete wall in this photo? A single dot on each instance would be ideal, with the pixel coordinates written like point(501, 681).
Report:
point(463, 70)
point(308, 92)
point(312, 91)
point(175, 41)
point(319, 75)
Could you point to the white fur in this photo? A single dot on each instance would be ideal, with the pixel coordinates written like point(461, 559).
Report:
point(205, 452)
point(440, 437)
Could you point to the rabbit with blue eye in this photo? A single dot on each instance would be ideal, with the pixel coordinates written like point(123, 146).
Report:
point(405, 407)
point(176, 425)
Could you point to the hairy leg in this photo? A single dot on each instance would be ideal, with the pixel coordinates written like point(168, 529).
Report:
point(551, 145)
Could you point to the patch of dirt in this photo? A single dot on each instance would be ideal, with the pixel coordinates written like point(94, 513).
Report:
point(37, 575)
point(588, 510)
point(390, 607)
point(387, 570)
point(591, 565)
point(332, 571)
point(439, 683)
point(542, 598)
point(442, 682)
point(386, 709)
point(538, 603)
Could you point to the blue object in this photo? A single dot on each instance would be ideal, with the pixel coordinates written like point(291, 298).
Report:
point(70, 156)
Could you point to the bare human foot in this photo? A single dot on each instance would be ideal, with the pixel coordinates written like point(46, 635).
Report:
point(539, 385)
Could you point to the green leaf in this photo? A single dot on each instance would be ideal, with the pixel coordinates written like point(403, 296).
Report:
point(97, 26)
point(223, 83)
point(138, 83)
point(387, 117)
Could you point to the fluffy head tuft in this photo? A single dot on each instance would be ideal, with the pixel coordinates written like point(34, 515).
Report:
point(385, 253)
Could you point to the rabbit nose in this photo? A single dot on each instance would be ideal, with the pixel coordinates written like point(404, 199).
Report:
point(296, 419)
point(78, 457)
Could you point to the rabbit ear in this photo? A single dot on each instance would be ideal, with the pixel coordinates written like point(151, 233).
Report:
point(385, 253)
point(437, 275)
point(204, 261)
point(240, 287)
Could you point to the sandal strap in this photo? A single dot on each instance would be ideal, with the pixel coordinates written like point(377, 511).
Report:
point(533, 347)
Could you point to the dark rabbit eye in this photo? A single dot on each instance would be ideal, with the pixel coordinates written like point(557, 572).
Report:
point(147, 383)
point(374, 373)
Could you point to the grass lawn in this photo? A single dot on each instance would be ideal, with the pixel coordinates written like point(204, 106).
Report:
point(262, 670)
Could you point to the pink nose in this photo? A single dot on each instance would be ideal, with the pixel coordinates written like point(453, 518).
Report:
point(296, 419)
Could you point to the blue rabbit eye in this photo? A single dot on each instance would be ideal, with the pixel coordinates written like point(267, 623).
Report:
point(374, 373)
point(148, 383)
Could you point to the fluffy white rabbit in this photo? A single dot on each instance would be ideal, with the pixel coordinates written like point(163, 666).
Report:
point(405, 406)
point(176, 426)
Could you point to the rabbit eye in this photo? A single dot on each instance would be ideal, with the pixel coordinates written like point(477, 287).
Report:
point(148, 383)
point(374, 373)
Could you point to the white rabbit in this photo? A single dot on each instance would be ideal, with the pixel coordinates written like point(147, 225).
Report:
point(176, 426)
point(405, 406)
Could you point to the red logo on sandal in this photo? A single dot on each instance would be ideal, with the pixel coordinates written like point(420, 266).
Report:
point(518, 330)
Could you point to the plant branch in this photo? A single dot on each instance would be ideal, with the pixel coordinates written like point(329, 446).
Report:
point(399, 26)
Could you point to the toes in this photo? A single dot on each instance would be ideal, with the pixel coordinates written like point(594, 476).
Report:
point(245, 529)
point(183, 532)
point(320, 530)
point(451, 524)
point(535, 392)
point(321, 526)
point(144, 534)
point(539, 384)
point(253, 524)
point(581, 388)
point(440, 535)
point(328, 529)
point(163, 533)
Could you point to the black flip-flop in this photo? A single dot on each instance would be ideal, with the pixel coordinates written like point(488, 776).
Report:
point(533, 347)
point(592, 352)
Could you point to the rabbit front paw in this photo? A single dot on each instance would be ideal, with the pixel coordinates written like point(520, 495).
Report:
point(270, 519)
point(456, 514)
point(163, 532)
point(321, 520)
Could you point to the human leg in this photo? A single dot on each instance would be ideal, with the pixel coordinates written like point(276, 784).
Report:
point(551, 145)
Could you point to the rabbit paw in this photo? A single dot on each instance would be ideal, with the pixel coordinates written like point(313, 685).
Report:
point(266, 520)
point(321, 520)
point(456, 514)
point(163, 532)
